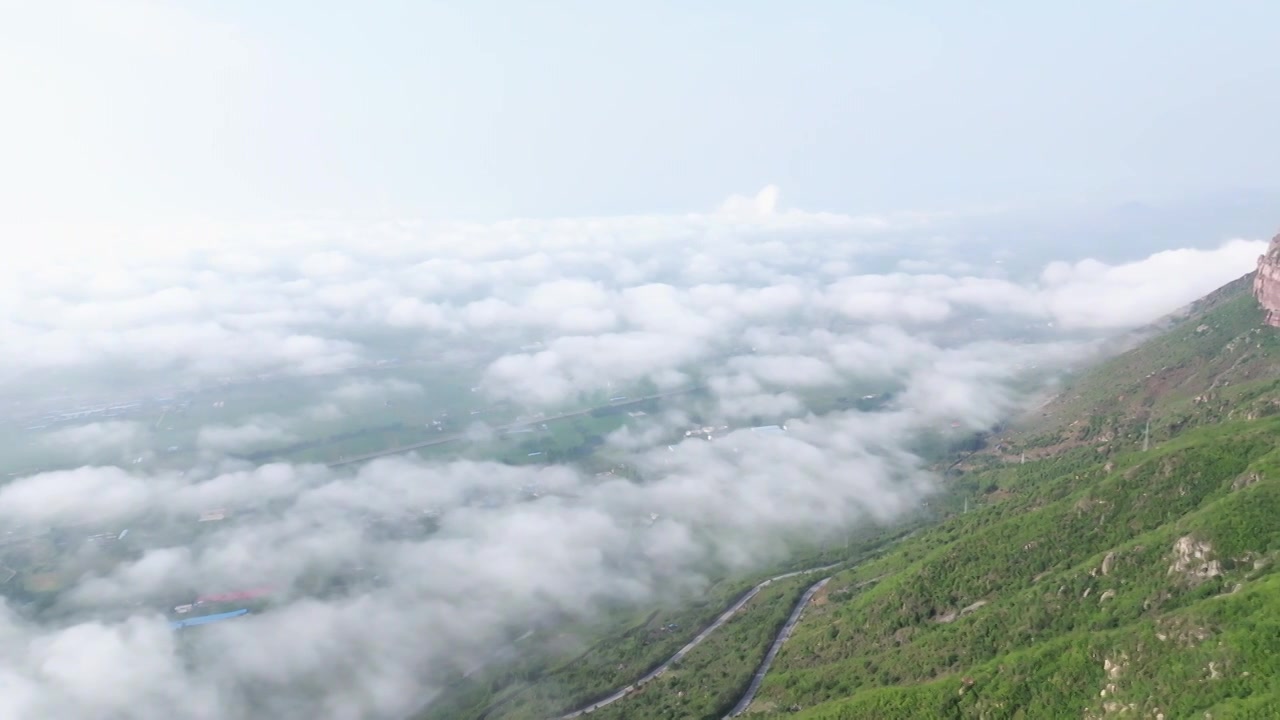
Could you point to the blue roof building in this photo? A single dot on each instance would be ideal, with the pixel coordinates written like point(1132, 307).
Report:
point(206, 619)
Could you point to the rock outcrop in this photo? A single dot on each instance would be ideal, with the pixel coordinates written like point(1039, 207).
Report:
point(1193, 559)
point(1266, 284)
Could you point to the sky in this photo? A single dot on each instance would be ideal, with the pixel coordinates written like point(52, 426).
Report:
point(133, 110)
point(771, 200)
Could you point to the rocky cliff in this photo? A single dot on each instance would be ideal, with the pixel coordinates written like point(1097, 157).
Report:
point(1266, 284)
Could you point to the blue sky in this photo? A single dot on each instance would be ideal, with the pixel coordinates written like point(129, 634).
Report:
point(244, 110)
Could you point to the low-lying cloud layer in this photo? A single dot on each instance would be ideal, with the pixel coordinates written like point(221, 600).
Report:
point(765, 308)
point(609, 292)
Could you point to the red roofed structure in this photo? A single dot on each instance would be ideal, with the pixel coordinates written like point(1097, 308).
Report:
point(233, 596)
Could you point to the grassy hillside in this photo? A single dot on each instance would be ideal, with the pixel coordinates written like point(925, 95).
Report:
point(1162, 565)
point(1097, 579)
point(1215, 362)
point(710, 679)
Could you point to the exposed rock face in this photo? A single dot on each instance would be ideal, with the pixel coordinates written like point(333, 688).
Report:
point(1266, 284)
point(1193, 560)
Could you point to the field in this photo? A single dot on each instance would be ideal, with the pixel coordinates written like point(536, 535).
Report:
point(304, 419)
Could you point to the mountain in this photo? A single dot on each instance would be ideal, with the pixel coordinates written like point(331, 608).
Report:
point(1116, 572)
point(1266, 283)
point(1215, 360)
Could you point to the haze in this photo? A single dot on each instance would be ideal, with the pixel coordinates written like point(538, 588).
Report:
point(414, 329)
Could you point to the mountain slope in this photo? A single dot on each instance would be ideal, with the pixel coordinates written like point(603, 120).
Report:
point(1215, 361)
point(1098, 578)
point(1180, 541)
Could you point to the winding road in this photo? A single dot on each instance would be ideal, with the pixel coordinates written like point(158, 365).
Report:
point(706, 632)
point(782, 637)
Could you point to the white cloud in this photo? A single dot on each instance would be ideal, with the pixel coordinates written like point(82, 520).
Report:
point(1094, 295)
point(762, 204)
point(253, 434)
point(762, 305)
point(119, 439)
point(73, 495)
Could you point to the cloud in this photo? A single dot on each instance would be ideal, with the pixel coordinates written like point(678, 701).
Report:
point(73, 495)
point(763, 308)
point(762, 204)
point(252, 434)
point(292, 299)
point(116, 438)
point(491, 569)
point(1095, 295)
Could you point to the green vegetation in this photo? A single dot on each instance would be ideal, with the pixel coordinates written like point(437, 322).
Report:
point(1216, 364)
point(709, 680)
point(1026, 588)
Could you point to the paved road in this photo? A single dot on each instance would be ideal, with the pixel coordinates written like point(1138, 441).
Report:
point(455, 437)
point(697, 640)
point(782, 637)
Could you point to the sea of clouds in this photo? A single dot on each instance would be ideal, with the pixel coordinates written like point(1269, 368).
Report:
point(762, 305)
